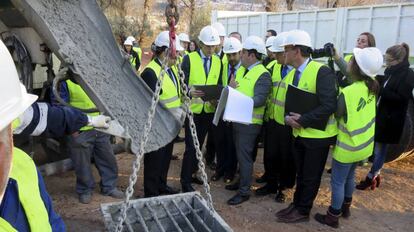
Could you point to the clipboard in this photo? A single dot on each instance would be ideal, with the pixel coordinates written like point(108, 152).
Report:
point(211, 92)
point(301, 101)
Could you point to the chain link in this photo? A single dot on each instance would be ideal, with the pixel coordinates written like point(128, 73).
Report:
point(142, 144)
point(199, 154)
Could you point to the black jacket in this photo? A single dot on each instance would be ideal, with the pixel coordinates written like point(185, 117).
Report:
point(393, 102)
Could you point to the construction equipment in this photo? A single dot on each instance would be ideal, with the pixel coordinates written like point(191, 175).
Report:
point(79, 34)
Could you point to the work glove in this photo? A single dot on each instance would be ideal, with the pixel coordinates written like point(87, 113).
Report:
point(99, 121)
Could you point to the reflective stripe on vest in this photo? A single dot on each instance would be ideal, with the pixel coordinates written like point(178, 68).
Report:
point(308, 82)
point(355, 141)
point(24, 172)
point(169, 96)
point(279, 97)
point(198, 77)
point(79, 99)
point(246, 86)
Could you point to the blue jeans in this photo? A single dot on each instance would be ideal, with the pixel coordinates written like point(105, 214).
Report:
point(380, 152)
point(342, 182)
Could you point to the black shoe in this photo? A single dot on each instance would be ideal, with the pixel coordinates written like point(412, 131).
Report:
point(329, 171)
point(280, 197)
point(187, 188)
point(228, 179)
point(261, 179)
point(232, 187)
point(85, 198)
point(265, 190)
point(195, 180)
point(216, 176)
point(169, 190)
point(238, 199)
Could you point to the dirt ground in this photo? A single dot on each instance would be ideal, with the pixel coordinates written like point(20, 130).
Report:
point(389, 208)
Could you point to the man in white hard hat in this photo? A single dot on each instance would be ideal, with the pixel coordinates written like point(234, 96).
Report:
point(226, 153)
point(278, 160)
point(222, 33)
point(156, 163)
point(254, 82)
point(310, 145)
point(237, 35)
point(184, 41)
point(25, 203)
point(201, 67)
point(270, 59)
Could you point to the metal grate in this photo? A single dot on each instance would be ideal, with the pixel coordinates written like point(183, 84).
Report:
point(186, 212)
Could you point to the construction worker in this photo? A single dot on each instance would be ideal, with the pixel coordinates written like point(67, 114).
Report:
point(270, 59)
point(87, 144)
point(226, 153)
point(310, 146)
point(236, 35)
point(270, 33)
point(25, 203)
point(184, 42)
point(278, 160)
point(201, 67)
point(254, 82)
point(222, 34)
point(133, 55)
point(355, 142)
point(156, 163)
point(135, 47)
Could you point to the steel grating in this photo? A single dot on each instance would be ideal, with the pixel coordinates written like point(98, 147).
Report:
point(185, 212)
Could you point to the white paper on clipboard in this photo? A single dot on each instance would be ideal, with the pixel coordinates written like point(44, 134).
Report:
point(234, 106)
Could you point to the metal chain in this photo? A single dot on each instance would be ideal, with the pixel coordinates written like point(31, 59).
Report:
point(142, 144)
point(199, 155)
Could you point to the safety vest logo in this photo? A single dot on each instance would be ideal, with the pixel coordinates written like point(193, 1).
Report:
point(362, 103)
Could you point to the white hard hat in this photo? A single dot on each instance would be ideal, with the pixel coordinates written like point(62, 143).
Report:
point(209, 36)
point(269, 41)
point(369, 60)
point(297, 37)
point(128, 42)
point(132, 38)
point(255, 42)
point(14, 99)
point(277, 42)
point(220, 28)
point(178, 46)
point(231, 45)
point(184, 37)
point(163, 39)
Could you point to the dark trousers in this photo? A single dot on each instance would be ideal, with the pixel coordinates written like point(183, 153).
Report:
point(156, 165)
point(279, 163)
point(82, 148)
point(226, 152)
point(310, 157)
point(203, 123)
point(210, 146)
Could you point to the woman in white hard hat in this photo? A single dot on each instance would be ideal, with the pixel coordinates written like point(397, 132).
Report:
point(133, 55)
point(395, 93)
point(156, 163)
point(355, 140)
point(25, 204)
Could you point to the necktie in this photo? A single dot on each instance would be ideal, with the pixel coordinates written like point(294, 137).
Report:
point(206, 59)
point(284, 71)
point(232, 71)
point(296, 78)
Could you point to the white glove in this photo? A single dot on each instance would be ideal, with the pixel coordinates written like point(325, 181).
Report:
point(99, 121)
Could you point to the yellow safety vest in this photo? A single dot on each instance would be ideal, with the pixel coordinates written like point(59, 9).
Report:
point(79, 99)
point(271, 64)
point(246, 86)
point(355, 141)
point(347, 58)
point(170, 97)
point(139, 51)
point(279, 93)
point(198, 77)
point(24, 172)
point(308, 82)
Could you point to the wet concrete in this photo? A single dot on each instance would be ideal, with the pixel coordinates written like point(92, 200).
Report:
point(78, 32)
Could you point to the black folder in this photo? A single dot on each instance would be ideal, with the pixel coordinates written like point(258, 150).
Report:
point(301, 101)
point(211, 92)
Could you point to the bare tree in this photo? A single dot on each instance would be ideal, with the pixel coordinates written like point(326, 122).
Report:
point(289, 4)
point(271, 5)
point(145, 24)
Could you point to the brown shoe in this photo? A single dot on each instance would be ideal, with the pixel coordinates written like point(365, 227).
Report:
point(329, 219)
point(285, 210)
point(293, 217)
